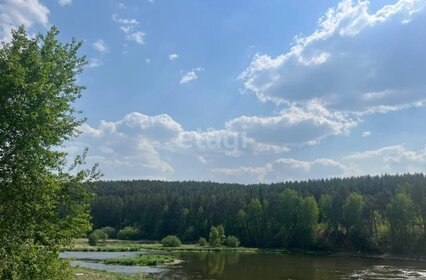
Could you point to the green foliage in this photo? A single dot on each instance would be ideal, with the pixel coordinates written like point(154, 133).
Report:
point(214, 237)
point(146, 259)
point(171, 241)
point(128, 233)
point(352, 212)
point(202, 242)
point(401, 214)
point(96, 236)
point(42, 204)
point(232, 241)
point(307, 219)
point(93, 239)
point(110, 232)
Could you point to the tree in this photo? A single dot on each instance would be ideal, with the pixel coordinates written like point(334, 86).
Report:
point(171, 241)
point(254, 216)
point(128, 233)
point(202, 242)
point(401, 215)
point(289, 202)
point(307, 219)
point(352, 212)
point(232, 241)
point(43, 204)
point(214, 237)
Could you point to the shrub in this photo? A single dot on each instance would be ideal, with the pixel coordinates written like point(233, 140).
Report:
point(128, 233)
point(171, 241)
point(202, 242)
point(232, 241)
point(110, 232)
point(93, 239)
point(96, 236)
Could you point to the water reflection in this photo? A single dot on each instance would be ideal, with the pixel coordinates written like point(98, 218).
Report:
point(272, 266)
point(237, 266)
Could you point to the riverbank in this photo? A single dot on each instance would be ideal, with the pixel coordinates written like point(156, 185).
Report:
point(92, 274)
point(81, 245)
point(123, 246)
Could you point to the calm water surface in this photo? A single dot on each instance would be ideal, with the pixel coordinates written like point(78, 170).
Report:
point(241, 266)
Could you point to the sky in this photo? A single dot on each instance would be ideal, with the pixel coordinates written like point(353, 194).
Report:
point(244, 91)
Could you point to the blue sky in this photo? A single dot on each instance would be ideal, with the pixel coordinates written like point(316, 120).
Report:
point(244, 91)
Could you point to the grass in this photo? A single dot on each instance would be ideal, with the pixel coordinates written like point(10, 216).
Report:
point(148, 260)
point(92, 274)
point(122, 246)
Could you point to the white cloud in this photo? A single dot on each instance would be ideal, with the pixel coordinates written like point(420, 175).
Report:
point(391, 160)
point(283, 169)
point(94, 62)
point(64, 2)
point(100, 46)
point(128, 26)
point(147, 60)
point(14, 13)
point(296, 125)
point(124, 21)
point(356, 60)
point(365, 134)
point(137, 37)
point(387, 160)
point(190, 76)
point(173, 56)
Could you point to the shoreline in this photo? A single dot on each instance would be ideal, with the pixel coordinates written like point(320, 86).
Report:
point(135, 246)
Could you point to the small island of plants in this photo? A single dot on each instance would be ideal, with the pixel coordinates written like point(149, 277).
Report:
point(145, 260)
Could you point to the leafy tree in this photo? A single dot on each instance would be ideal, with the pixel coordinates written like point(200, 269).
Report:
point(43, 205)
point(221, 232)
point(202, 242)
point(352, 212)
point(307, 219)
point(401, 215)
point(255, 219)
point(214, 237)
point(93, 239)
point(289, 203)
point(232, 241)
point(110, 232)
point(171, 241)
point(128, 233)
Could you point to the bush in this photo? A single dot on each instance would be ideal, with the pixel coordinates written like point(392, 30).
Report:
point(202, 242)
point(110, 232)
point(96, 236)
point(93, 239)
point(128, 233)
point(232, 241)
point(171, 241)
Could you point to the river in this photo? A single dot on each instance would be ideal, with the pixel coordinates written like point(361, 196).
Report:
point(244, 266)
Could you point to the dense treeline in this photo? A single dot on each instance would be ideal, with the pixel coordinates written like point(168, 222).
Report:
point(378, 213)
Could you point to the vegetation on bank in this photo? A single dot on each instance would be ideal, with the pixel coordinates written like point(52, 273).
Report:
point(44, 201)
point(146, 259)
point(370, 213)
point(80, 273)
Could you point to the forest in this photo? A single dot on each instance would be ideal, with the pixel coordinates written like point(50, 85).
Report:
point(368, 213)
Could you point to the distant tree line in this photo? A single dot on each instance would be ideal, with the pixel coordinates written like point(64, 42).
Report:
point(369, 213)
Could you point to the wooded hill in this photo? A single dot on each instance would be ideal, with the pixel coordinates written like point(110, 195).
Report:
point(372, 213)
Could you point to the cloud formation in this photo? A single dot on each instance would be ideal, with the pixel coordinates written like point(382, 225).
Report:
point(128, 26)
point(14, 13)
point(64, 2)
point(356, 60)
point(190, 76)
point(173, 56)
point(100, 46)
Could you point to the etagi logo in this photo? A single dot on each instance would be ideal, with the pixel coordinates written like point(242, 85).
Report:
point(223, 141)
